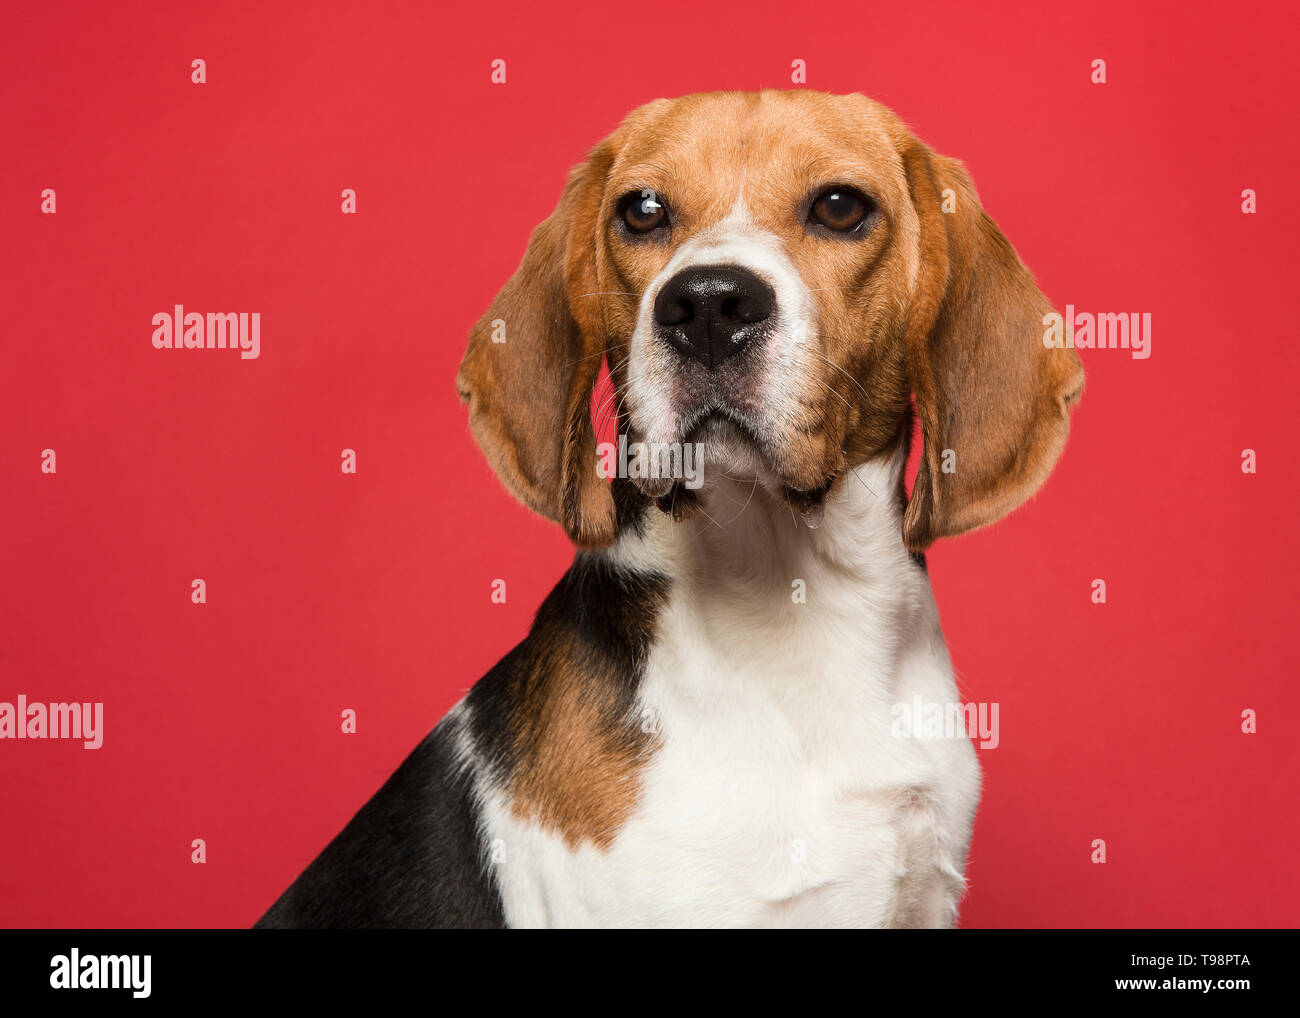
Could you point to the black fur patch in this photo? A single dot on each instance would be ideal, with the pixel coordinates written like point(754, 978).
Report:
point(630, 506)
point(411, 858)
point(605, 617)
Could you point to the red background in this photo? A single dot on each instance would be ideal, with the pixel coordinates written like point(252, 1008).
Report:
point(327, 591)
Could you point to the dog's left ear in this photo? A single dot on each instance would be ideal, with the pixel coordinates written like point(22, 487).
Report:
point(994, 402)
point(533, 360)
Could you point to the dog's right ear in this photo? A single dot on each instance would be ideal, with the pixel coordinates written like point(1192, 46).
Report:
point(533, 360)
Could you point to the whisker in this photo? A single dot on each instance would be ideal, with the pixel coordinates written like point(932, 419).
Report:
point(854, 472)
point(843, 372)
point(833, 391)
point(584, 357)
point(746, 505)
point(826, 426)
point(618, 409)
point(711, 519)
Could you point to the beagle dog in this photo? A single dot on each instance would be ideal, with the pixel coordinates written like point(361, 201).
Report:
point(699, 728)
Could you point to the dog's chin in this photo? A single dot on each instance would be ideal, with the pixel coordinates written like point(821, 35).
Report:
point(729, 449)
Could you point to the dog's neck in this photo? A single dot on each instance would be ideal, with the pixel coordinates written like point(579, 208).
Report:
point(755, 595)
point(746, 539)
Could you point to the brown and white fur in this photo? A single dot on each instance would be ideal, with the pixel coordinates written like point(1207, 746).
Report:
point(681, 741)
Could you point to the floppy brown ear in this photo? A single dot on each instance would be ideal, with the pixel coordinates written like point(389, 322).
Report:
point(532, 363)
point(994, 402)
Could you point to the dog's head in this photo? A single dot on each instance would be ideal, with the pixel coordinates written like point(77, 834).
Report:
point(771, 275)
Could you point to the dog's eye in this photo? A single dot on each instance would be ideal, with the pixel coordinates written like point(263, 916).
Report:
point(840, 209)
point(643, 211)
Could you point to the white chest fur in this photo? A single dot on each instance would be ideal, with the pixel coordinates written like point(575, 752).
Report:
point(780, 793)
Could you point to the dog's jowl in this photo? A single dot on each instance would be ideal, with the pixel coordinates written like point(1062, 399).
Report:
point(701, 727)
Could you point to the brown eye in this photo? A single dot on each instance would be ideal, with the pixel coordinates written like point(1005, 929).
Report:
point(643, 211)
point(840, 209)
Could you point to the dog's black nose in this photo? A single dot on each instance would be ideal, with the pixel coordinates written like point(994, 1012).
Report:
point(713, 313)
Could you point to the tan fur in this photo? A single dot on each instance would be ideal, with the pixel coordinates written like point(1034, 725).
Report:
point(579, 769)
point(575, 741)
point(529, 395)
point(985, 386)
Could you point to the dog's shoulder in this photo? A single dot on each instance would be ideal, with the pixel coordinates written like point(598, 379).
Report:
point(411, 857)
point(550, 733)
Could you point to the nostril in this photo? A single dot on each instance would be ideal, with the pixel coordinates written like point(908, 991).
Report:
point(674, 305)
point(730, 310)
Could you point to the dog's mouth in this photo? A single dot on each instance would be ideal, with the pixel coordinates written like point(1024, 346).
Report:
point(720, 426)
point(728, 443)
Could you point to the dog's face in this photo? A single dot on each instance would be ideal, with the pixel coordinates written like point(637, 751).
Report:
point(771, 276)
